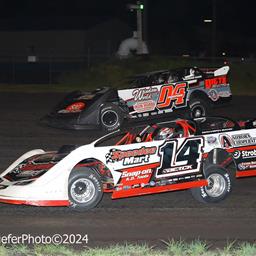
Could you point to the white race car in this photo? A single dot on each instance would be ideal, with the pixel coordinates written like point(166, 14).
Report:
point(204, 155)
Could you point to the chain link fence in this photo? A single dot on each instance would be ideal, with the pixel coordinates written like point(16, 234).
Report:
point(36, 69)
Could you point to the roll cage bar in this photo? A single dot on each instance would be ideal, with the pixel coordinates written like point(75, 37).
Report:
point(187, 127)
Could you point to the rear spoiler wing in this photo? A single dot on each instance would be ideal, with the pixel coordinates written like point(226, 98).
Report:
point(216, 72)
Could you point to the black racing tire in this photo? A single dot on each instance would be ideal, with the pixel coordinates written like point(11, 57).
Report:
point(111, 117)
point(220, 183)
point(85, 189)
point(198, 108)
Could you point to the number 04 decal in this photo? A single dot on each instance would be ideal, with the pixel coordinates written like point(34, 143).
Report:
point(178, 161)
point(172, 96)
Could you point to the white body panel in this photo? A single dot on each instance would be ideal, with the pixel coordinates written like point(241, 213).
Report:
point(53, 185)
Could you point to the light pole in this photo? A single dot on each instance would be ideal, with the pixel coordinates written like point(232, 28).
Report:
point(209, 35)
point(139, 8)
point(214, 25)
point(213, 22)
point(139, 28)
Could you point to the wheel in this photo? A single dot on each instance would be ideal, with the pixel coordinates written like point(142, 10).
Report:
point(84, 189)
point(198, 108)
point(111, 117)
point(219, 186)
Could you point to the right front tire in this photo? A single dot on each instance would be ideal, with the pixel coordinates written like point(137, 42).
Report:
point(84, 189)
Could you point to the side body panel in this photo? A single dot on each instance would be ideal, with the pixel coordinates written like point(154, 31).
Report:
point(241, 145)
point(138, 168)
point(170, 97)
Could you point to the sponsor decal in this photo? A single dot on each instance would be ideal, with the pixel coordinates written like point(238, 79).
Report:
point(136, 175)
point(30, 173)
point(211, 140)
point(144, 93)
point(243, 139)
point(178, 169)
point(144, 99)
point(237, 154)
point(225, 94)
point(144, 106)
point(130, 157)
point(27, 171)
point(245, 154)
point(225, 141)
point(248, 154)
point(172, 96)
point(213, 95)
point(236, 140)
point(75, 107)
point(247, 165)
point(210, 83)
point(158, 98)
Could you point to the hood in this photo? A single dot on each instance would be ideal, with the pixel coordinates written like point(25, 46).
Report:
point(77, 101)
point(32, 168)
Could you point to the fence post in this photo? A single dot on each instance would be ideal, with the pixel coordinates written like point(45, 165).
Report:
point(13, 70)
point(50, 70)
point(88, 57)
point(109, 48)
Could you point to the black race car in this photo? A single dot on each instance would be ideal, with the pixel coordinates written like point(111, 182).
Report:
point(188, 90)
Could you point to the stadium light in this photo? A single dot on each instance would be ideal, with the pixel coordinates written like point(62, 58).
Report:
point(139, 8)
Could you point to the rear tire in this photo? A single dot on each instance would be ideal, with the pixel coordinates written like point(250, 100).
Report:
point(84, 189)
point(111, 117)
point(198, 108)
point(220, 183)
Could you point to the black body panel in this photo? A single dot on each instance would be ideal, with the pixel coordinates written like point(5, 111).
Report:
point(87, 118)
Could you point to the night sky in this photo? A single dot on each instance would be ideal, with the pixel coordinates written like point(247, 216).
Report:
point(167, 20)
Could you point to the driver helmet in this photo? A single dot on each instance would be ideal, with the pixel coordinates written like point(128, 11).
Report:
point(165, 133)
point(170, 79)
point(160, 80)
point(192, 72)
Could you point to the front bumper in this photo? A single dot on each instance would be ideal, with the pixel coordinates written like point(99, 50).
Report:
point(8, 200)
point(32, 195)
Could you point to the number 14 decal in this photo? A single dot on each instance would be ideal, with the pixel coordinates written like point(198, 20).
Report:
point(177, 161)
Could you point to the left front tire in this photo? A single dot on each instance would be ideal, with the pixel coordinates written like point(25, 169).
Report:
point(220, 182)
point(111, 117)
point(84, 189)
point(198, 108)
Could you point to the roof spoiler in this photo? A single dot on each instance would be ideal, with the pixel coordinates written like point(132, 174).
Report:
point(221, 71)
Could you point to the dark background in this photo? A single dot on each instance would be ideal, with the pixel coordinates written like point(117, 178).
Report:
point(71, 35)
point(179, 21)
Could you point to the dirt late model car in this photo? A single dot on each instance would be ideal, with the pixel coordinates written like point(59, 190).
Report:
point(203, 155)
point(192, 90)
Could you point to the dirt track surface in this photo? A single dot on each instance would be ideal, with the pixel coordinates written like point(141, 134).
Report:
point(150, 218)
